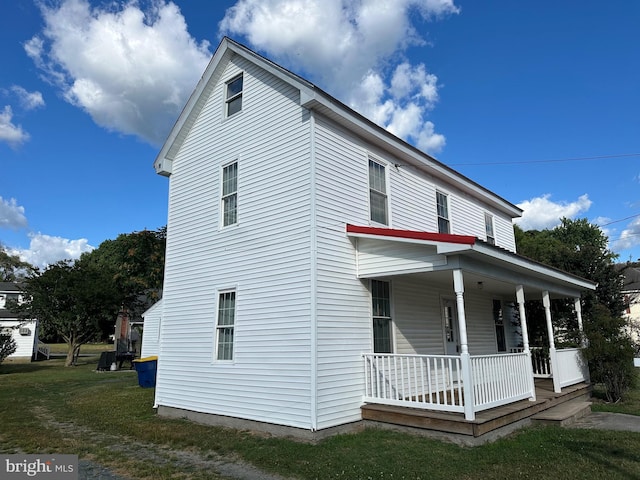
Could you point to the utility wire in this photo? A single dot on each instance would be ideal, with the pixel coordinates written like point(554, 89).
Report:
point(556, 160)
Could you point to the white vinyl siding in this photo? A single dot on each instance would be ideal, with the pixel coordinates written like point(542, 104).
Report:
point(151, 333)
point(266, 256)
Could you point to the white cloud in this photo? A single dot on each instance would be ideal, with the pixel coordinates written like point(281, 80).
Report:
point(11, 214)
point(131, 70)
point(46, 250)
point(28, 100)
point(541, 213)
point(355, 50)
point(10, 133)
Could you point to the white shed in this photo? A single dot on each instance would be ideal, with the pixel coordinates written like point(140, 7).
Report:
point(151, 330)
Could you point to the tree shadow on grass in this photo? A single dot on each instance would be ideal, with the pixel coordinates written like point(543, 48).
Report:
point(618, 458)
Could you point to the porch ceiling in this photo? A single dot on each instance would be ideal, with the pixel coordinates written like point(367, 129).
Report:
point(388, 253)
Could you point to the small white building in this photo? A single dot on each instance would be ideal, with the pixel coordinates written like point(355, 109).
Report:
point(151, 333)
point(315, 262)
point(24, 332)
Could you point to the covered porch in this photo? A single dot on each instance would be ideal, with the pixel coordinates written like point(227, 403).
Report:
point(465, 378)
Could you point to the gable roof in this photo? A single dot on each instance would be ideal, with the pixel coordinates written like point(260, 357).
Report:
point(315, 99)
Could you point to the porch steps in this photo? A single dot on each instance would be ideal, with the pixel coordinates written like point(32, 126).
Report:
point(564, 414)
point(488, 425)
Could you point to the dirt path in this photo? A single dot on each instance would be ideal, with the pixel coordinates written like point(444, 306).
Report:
point(129, 451)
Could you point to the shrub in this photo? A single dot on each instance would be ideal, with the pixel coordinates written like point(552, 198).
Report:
point(610, 353)
point(7, 345)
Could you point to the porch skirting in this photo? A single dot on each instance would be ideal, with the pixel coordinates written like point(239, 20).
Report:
point(488, 424)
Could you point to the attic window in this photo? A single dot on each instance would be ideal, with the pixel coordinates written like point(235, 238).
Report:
point(234, 96)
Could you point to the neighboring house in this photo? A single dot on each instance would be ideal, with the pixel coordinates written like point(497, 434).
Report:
point(315, 262)
point(24, 332)
point(151, 334)
point(631, 292)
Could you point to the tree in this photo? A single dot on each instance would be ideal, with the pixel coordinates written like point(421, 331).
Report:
point(72, 300)
point(135, 263)
point(7, 346)
point(580, 248)
point(12, 269)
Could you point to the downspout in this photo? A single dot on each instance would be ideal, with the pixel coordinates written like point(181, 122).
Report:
point(313, 257)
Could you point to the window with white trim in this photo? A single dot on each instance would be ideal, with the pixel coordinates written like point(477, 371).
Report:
point(381, 308)
point(498, 319)
point(225, 324)
point(229, 199)
point(378, 193)
point(233, 100)
point(488, 226)
point(442, 204)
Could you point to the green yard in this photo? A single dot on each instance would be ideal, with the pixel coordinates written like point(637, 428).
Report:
point(106, 418)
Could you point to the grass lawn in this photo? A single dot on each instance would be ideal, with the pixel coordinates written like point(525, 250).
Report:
point(107, 418)
point(87, 348)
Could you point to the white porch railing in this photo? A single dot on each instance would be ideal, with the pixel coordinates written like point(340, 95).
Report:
point(500, 379)
point(44, 350)
point(435, 381)
point(420, 381)
point(540, 361)
point(570, 367)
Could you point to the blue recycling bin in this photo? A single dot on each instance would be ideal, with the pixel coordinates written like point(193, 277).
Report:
point(146, 368)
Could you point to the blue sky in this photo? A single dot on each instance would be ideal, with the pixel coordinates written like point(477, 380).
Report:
point(537, 101)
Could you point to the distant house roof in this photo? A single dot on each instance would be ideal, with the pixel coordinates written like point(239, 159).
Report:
point(631, 277)
point(9, 287)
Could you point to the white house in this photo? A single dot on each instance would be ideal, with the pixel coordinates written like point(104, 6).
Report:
point(151, 334)
point(315, 262)
point(24, 332)
point(631, 292)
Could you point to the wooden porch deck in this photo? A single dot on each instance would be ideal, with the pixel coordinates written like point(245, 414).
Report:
point(486, 422)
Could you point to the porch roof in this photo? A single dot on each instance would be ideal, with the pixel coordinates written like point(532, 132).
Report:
point(384, 252)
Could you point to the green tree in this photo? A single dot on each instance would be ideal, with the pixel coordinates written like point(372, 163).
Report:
point(7, 346)
point(135, 263)
point(580, 248)
point(72, 300)
point(12, 269)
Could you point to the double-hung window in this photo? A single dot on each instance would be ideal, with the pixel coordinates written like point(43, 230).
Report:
point(233, 100)
point(381, 308)
point(488, 226)
point(225, 324)
point(498, 319)
point(378, 193)
point(442, 204)
point(229, 200)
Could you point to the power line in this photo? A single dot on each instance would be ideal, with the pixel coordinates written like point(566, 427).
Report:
point(621, 220)
point(555, 160)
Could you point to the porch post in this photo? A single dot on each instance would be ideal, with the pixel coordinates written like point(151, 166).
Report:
point(553, 358)
point(465, 358)
point(525, 339)
point(577, 306)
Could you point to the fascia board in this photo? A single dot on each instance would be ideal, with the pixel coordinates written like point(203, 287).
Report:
point(535, 267)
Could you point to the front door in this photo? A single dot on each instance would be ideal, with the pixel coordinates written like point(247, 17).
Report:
point(450, 325)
